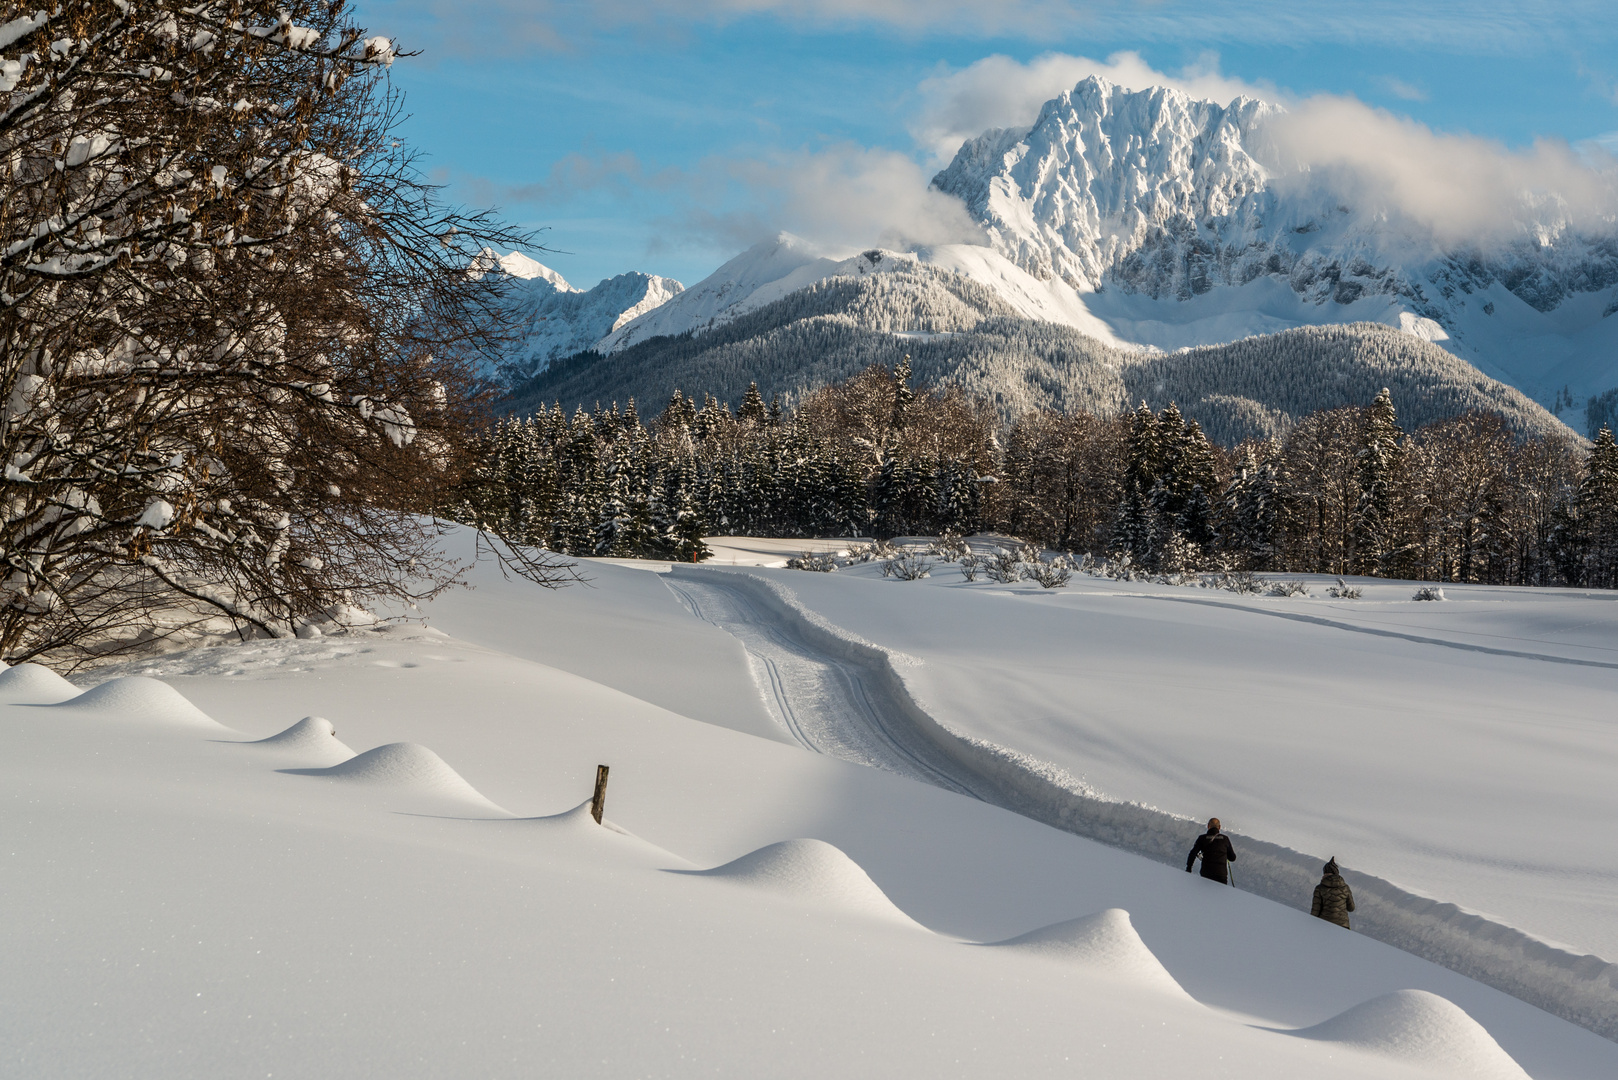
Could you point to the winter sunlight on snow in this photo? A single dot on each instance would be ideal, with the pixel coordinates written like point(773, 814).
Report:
point(745, 539)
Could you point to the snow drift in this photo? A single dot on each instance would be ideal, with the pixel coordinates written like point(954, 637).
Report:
point(1423, 1029)
point(409, 769)
point(815, 872)
point(138, 698)
point(1106, 942)
point(34, 685)
point(313, 736)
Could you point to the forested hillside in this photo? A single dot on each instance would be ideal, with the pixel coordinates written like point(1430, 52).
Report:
point(1346, 490)
point(957, 331)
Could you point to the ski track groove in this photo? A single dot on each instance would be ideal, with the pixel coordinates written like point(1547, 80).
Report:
point(838, 696)
point(819, 699)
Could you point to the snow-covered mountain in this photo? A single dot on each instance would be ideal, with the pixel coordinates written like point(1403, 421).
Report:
point(1151, 221)
point(557, 320)
point(785, 264)
point(1177, 223)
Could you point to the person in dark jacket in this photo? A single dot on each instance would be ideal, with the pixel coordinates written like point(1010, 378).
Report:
point(1333, 898)
point(1217, 854)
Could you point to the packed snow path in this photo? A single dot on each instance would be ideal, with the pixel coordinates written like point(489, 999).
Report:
point(841, 696)
point(834, 705)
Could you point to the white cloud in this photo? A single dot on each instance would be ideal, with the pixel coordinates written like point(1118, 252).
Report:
point(1401, 89)
point(841, 196)
point(850, 196)
point(998, 91)
point(1463, 188)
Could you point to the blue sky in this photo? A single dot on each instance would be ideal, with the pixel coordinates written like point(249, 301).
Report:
point(665, 136)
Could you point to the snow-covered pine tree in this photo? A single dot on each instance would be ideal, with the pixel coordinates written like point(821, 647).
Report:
point(1251, 510)
point(903, 395)
point(1598, 513)
point(1135, 528)
point(1379, 457)
point(753, 410)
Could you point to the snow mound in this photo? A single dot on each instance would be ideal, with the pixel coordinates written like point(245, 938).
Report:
point(1423, 1029)
point(311, 735)
point(30, 684)
point(137, 697)
point(410, 768)
point(578, 818)
point(815, 871)
point(1105, 941)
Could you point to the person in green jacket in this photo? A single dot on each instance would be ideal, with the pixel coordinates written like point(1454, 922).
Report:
point(1333, 898)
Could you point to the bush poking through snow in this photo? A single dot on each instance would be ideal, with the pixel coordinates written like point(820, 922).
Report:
point(821, 562)
point(1287, 588)
point(1240, 582)
point(1122, 568)
point(907, 567)
point(1343, 591)
point(876, 549)
point(950, 547)
point(1004, 568)
point(1051, 575)
point(1429, 592)
point(970, 565)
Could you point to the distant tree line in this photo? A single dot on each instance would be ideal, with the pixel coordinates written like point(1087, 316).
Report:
point(1345, 491)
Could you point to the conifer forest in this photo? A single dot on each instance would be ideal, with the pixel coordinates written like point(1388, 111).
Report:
point(1342, 491)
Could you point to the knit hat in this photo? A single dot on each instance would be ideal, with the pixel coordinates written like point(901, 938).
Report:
point(1331, 867)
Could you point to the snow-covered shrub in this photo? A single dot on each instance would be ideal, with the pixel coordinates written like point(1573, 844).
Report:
point(1287, 588)
point(1240, 582)
point(822, 562)
point(1122, 568)
point(1004, 568)
point(876, 549)
point(970, 565)
point(1343, 591)
point(1050, 575)
point(951, 547)
point(1429, 592)
point(907, 567)
point(1180, 557)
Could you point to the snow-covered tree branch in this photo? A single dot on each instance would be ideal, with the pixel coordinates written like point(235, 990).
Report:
point(237, 334)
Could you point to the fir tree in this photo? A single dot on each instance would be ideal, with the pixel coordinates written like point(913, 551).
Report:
point(1598, 513)
point(1378, 463)
point(753, 410)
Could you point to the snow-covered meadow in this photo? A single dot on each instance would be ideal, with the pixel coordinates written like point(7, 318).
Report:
point(409, 886)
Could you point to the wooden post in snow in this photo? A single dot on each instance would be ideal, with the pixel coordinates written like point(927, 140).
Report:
point(598, 803)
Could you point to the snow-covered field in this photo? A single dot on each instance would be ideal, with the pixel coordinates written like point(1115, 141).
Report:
point(183, 901)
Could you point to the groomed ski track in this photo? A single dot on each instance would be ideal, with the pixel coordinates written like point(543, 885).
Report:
point(841, 696)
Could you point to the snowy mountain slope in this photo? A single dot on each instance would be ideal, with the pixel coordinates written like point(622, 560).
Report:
point(957, 329)
point(555, 319)
point(776, 268)
point(1146, 202)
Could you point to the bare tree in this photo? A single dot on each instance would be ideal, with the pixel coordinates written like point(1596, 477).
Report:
point(238, 336)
